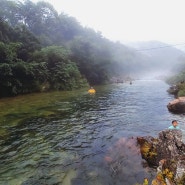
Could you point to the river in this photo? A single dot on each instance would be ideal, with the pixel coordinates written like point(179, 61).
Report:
point(74, 138)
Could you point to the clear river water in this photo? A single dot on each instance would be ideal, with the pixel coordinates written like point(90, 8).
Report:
point(74, 138)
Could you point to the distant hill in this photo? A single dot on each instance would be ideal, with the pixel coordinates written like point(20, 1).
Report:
point(162, 56)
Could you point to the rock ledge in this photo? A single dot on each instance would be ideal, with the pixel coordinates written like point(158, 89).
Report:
point(167, 154)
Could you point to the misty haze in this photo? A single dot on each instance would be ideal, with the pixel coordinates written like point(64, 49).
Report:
point(74, 101)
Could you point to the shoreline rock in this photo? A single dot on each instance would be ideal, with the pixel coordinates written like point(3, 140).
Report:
point(167, 154)
point(177, 105)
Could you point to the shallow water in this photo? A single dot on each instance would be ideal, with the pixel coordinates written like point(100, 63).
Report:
point(73, 138)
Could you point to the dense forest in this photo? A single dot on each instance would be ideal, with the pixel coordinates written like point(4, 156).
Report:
point(41, 50)
point(177, 81)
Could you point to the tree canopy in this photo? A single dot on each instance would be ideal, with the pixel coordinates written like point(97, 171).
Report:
point(43, 50)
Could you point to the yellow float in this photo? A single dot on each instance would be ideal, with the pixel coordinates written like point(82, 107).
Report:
point(91, 90)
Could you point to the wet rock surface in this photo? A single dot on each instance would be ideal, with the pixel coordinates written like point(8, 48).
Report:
point(177, 105)
point(167, 154)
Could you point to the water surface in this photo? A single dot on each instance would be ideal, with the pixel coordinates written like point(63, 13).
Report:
point(73, 138)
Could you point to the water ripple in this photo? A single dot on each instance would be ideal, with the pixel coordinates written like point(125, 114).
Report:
point(85, 139)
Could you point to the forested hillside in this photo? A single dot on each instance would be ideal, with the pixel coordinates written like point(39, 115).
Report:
point(163, 56)
point(43, 50)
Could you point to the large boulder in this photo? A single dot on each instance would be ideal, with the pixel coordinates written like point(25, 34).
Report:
point(177, 105)
point(167, 154)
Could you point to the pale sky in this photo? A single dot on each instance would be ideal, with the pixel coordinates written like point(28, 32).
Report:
point(129, 20)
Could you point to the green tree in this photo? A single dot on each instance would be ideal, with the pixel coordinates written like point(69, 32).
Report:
point(7, 33)
point(62, 73)
point(10, 12)
point(9, 52)
point(93, 58)
point(29, 43)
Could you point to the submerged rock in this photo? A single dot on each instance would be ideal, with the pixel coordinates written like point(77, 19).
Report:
point(167, 154)
point(124, 162)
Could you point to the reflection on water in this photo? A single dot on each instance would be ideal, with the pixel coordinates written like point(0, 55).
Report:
point(74, 138)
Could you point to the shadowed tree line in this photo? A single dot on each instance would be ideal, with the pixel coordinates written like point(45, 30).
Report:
point(177, 81)
point(43, 50)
